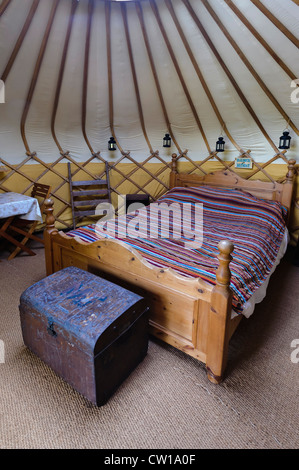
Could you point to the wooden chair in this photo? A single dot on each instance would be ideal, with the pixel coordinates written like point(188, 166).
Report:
point(86, 195)
point(26, 227)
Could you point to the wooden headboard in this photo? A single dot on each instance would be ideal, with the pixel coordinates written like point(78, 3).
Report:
point(281, 192)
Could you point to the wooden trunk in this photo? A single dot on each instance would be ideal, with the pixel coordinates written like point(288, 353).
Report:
point(91, 332)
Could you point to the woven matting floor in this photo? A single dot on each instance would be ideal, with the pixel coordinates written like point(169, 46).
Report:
point(167, 402)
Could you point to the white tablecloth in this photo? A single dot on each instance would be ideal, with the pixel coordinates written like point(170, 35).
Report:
point(25, 207)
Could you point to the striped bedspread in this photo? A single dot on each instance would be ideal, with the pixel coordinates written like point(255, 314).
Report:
point(255, 226)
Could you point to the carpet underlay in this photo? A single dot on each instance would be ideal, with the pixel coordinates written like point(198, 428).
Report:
point(167, 402)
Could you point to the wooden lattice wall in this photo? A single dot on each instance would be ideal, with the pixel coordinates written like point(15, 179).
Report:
point(150, 177)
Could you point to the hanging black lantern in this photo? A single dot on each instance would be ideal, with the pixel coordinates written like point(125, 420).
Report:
point(166, 141)
point(111, 144)
point(284, 141)
point(220, 145)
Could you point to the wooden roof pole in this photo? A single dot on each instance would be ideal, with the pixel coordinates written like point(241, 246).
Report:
point(61, 72)
point(139, 105)
point(276, 22)
point(249, 66)
point(33, 84)
point(85, 73)
point(109, 70)
point(134, 75)
point(36, 73)
point(264, 43)
point(3, 6)
point(180, 75)
point(110, 91)
point(155, 75)
point(229, 74)
point(54, 112)
point(199, 74)
point(20, 40)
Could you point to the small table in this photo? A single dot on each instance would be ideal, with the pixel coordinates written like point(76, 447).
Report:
point(17, 205)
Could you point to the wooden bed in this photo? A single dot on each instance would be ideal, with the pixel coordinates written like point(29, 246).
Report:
point(189, 314)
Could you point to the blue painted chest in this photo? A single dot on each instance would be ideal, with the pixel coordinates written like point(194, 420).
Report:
point(90, 331)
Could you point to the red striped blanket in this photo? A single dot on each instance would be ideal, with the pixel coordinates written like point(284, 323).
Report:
point(255, 226)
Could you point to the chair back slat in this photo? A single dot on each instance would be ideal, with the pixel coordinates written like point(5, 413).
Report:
point(27, 227)
point(41, 191)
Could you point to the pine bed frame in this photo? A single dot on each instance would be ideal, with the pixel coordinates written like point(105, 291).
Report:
point(189, 314)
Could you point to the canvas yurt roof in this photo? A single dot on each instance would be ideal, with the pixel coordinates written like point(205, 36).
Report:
point(138, 69)
point(77, 72)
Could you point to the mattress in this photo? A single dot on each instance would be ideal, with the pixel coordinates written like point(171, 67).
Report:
point(257, 228)
point(260, 293)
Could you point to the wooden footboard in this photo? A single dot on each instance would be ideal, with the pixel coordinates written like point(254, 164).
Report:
point(189, 314)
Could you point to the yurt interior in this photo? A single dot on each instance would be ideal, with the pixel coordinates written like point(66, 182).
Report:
point(149, 227)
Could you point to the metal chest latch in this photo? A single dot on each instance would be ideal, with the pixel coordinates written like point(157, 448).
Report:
point(50, 328)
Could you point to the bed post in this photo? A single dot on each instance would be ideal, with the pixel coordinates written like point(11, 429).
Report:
point(49, 230)
point(289, 186)
point(174, 170)
point(219, 317)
